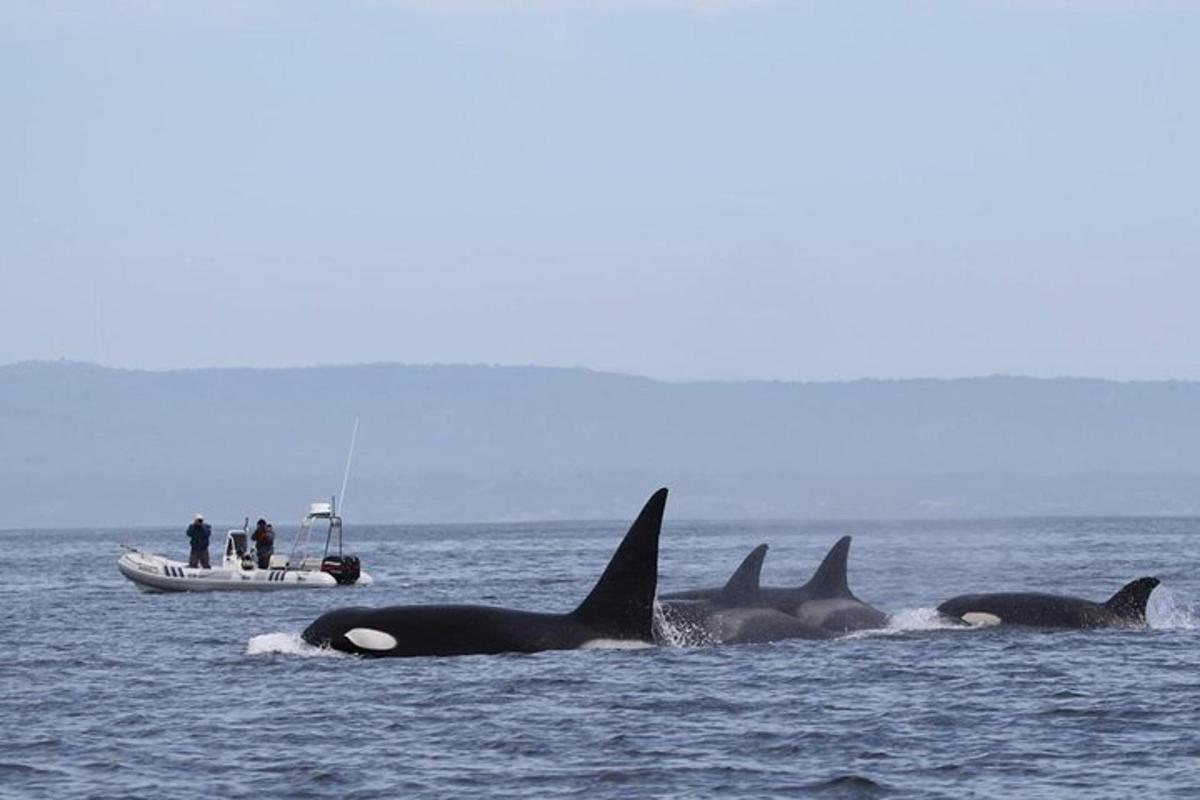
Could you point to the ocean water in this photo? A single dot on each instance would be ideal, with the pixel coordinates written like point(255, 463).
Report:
point(109, 692)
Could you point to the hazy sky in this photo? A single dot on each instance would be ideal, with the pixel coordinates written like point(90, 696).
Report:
point(684, 190)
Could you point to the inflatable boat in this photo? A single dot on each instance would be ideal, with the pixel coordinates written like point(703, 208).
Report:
point(239, 569)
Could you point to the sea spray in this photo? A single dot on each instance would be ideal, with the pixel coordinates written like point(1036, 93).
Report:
point(290, 644)
point(1167, 610)
point(673, 631)
point(912, 620)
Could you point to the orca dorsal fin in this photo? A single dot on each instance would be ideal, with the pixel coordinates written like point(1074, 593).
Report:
point(830, 578)
point(621, 604)
point(743, 584)
point(1130, 600)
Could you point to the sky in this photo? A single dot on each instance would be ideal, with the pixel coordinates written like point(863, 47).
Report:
point(685, 190)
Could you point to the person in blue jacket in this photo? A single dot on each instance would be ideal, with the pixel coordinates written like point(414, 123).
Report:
point(199, 533)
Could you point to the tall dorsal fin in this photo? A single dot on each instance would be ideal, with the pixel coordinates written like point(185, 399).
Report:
point(621, 604)
point(743, 584)
point(830, 578)
point(1130, 600)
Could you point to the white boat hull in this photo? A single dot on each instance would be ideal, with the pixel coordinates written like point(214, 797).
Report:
point(153, 573)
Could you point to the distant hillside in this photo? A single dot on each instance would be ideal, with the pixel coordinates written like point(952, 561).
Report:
point(81, 445)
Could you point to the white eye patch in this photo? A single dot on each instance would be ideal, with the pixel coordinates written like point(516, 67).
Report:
point(980, 618)
point(371, 639)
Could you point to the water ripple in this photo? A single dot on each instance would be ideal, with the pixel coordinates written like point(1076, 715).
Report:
point(112, 693)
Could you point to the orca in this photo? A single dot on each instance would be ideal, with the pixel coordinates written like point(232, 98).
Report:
point(1125, 609)
point(825, 601)
point(733, 615)
point(620, 608)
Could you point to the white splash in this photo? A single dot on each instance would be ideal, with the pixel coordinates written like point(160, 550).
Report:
point(675, 632)
point(912, 619)
point(1168, 611)
point(615, 644)
point(289, 644)
point(922, 619)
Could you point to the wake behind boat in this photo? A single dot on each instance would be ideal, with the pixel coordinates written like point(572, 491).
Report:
point(239, 570)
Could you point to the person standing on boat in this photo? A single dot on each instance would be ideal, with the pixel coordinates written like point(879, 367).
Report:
point(199, 532)
point(264, 543)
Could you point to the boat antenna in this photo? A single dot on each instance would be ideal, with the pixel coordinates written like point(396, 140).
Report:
point(341, 498)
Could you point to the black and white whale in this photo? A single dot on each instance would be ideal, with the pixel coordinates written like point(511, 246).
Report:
point(619, 608)
point(1125, 609)
point(825, 601)
point(734, 615)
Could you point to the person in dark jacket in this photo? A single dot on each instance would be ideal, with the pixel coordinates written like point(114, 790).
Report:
point(199, 533)
point(264, 543)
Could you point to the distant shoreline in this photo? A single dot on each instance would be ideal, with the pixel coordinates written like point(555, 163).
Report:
point(439, 444)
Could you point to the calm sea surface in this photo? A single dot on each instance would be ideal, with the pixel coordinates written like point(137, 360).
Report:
point(109, 692)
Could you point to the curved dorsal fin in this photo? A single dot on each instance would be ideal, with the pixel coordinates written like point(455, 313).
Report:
point(830, 578)
point(743, 584)
point(621, 604)
point(1130, 600)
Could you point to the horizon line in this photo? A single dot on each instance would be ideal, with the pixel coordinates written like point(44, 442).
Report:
point(36, 362)
point(134, 527)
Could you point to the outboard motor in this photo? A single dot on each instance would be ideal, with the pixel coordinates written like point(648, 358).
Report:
point(344, 569)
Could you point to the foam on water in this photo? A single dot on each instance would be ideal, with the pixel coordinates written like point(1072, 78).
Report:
point(289, 644)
